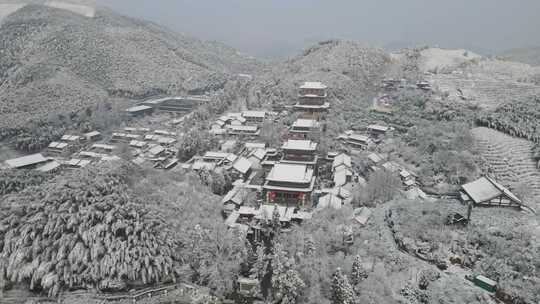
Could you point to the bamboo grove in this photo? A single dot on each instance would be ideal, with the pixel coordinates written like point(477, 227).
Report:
point(12, 181)
point(520, 119)
point(83, 231)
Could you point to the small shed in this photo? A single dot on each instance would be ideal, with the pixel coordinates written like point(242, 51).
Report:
point(486, 191)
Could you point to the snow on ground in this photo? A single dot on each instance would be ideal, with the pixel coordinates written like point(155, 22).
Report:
point(84, 10)
point(435, 59)
point(8, 9)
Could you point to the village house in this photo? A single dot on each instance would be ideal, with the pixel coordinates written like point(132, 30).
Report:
point(271, 158)
point(76, 163)
point(254, 145)
point(164, 133)
point(375, 159)
point(407, 178)
point(26, 162)
point(124, 137)
point(181, 104)
point(58, 147)
point(330, 155)
point(300, 152)
point(340, 192)
point(340, 160)
point(342, 169)
point(485, 191)
point(361, 215)
point(241, 168)
point(358, 141)
point(329, 200)
point(49, 167)
point(71, 138)
point(312, 99)
point(102, 148)
point(256, 157)
point(301, 128)
point(290, 185)
point(156, 151)
point(199, 165)
point(165, 141)
point(136, 130)
point(220, 158)
point(140, 110)
point(254, 117)
point(91, 155)
point(137, 144)
point(235, 197)
point(378, 131)
point(241, 130)
point(342, 175)
point(92, 136)
point(228, 145)
point(166, 163)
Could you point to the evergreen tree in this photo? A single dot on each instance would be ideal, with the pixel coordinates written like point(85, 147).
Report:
point(276, 224)
point(358, 273)
point(287, 283)
point(260, 266)
point(309, 248)
point(342, 291)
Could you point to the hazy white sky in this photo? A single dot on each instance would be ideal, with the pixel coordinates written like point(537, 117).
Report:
point(270, 28)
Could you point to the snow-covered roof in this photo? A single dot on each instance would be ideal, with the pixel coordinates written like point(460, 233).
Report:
point(254, 145)
point(266, 212)
point(156, 150)
point(25, 161)
point(199, 165)
point(92, 134)
point(138, 109)
point(71, 137)
point(75, 162)
point(290, 173)
point(485, 189)
point(305, 145)
point(374, 157)
point(359, 137)
point(313, 85)
point(216, 155)
point(48, 167)
point(57, 145)
point(340, 177)
point(258, 153)
point(242, 165)
point(305, 123)
point(342, 159)
point(255, 114)
point(378, 128)
point(103, 146)
point(244, 128)
point(329, 201)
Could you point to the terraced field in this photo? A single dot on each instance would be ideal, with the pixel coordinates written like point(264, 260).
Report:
point(510, 159)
